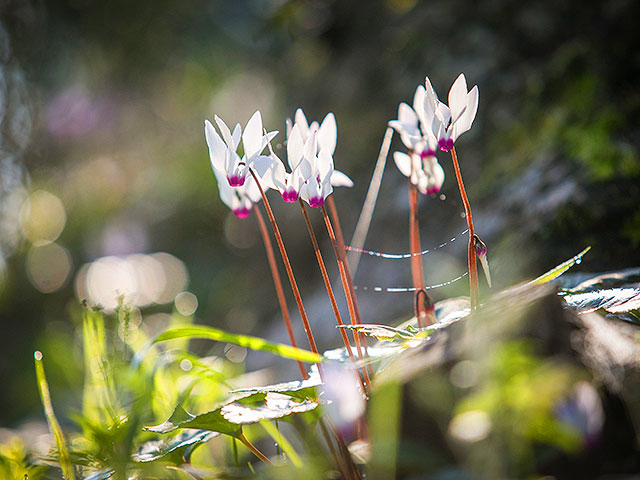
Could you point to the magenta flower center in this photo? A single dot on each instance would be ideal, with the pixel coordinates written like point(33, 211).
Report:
point(290, 195)
point(236, 180)
point(445, 144)
point(242, 212)
point(427, 153)
point(316, 202)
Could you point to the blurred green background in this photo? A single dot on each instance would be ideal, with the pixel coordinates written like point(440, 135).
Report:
point(106, 187)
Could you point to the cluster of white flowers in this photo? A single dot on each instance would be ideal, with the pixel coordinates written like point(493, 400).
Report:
point(310, 150)
point(425, 127)
point(432, 125)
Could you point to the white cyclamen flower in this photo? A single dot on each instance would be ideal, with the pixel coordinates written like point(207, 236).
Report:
point(239, 199)
point(289, 184)
point(423, 172)
point(420, 165)
point(326, 138)
point(317, 186)
point(223, 150)
point(449, 122)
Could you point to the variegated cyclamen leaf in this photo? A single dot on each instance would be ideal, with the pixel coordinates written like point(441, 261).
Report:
point(157, 449)
point(301, 389)
point(613, 300)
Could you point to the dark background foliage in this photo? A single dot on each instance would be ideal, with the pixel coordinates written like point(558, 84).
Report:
point(103, 104)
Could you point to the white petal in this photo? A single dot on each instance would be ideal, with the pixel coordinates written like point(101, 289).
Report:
point(301, 119)
point(339, 179)
point(304, 170)
point(407, 115)
point(262, 163)
point(466, 119)
point(224, 190)
point(217, 148)
point(275, 176)
point(311, 147)
point(430, 99)
point(252, 190)
point(437, 175)
point(252, 135)
point(418, 98)
point(325, 164)
point(326, 188)
point(289, 125)
point(235, 136)
point(458, 96)
point(224, 130)
point(328, 133)
point(403, 162)
point(295, 146)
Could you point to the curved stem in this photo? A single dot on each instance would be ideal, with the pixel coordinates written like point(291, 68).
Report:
point(416, 259)
point(253, 449)
point(335, 220)
point(332, 450)
point(289, 270)
point(278, 284)
point(350, 300)
point(471, 252)
point(332, 297)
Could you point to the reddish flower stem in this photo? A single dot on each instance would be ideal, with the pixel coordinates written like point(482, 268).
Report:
point(278, 284)
point(345, 285)
point(335, 220)
point(471, 252)
point(316, 248)
point(332, 450)
point(416, 259)
point(289, 270)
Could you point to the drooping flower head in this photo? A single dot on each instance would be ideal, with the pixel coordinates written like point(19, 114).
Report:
point(223, 151)
point(317, 186)
point(420, 164)
point(290, 183)
point(311, 175)
point(327, 131)
point(239, 199)
point(447, 123)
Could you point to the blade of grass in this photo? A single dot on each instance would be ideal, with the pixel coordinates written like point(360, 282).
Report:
point(364, 220)
point(384, 420)
point(560, 269)
point(210, 333)
point(54, 426)
point(98, 395)
point(283, 442)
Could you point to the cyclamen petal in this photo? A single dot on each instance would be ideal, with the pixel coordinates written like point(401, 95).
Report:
point(252, 136)
point(403, 162)
point(339, 179)
point(328, 133)
point(226, 133)
point(217, 147)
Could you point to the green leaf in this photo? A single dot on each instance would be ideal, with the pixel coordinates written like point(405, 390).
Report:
point(43, 388)
point(157, 449)
point(101, 474)
point(560, 269)
point(381, 332)
point(99, 390)
point(229, 417)
point(301, 389)
point(613, 300)
point(210, 333)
